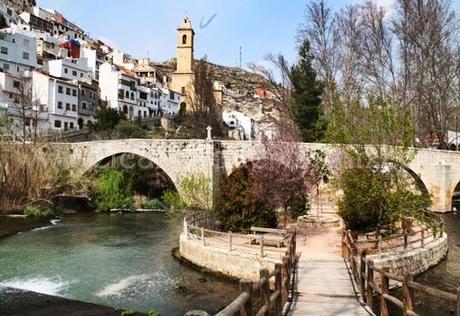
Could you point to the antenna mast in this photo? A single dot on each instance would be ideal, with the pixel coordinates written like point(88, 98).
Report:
point(240, 56)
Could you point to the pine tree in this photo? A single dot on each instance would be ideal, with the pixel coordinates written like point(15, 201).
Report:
point(306, 96)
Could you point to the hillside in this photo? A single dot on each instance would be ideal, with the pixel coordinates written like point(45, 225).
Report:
point(239, 87)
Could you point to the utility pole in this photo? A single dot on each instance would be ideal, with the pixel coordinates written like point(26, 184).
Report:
point(240, 56)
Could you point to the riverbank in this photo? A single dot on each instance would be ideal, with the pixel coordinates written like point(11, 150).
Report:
point(25, 303)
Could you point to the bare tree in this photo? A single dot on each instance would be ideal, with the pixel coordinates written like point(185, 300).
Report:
point(377, 49)
point(277, 75)
point(321, 30)
point(427, 31)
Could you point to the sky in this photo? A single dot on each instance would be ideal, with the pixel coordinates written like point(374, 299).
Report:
point(147, 28)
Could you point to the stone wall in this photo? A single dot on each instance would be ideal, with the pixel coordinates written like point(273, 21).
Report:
point(414, 261)
point(235, 263)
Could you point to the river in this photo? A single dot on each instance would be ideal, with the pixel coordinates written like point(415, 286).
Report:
point(121, 261)
point(446, 275)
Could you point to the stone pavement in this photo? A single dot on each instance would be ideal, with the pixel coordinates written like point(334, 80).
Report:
point(323, 282)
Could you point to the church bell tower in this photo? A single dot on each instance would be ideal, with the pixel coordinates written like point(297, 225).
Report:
point(182, 78)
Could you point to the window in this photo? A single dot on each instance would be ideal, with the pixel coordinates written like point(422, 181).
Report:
point(25, 56)
point(127, 94)
point(74, 107)
point(67, 106)
point(71, 124)
point(83, 105)
point(82, 92)
point(6, 67)
point(60, 89)
point(81, 75)
point(4, 50)
point(57, 124)
point(182, 89)
point(66, 71)
point(59, 105)
point(67, 91)
point(74, 73)
point(132, 95)
point(184, 39)
point(66, 126)
point(74, 92)
point(16, 84)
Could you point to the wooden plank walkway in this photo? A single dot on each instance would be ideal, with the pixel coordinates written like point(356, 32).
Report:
point(324, 287)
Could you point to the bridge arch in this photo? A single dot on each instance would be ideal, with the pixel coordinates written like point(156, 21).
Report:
point(92, 163)
point(141, 167)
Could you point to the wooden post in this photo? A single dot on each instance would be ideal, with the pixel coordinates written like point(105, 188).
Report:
point(343, 244)
point(265, 288)
point(405, 240)
point(408, 295)
point(262, 246)
point(246, 286)
point(354, 268)
point(380, 246)
point(284, 276)
point(422, 237)
point(202, 236)
point(278, 287)
point(229, 241)
point(362, 274)
point(369, 289)
point(384, 286)
point(458, 301)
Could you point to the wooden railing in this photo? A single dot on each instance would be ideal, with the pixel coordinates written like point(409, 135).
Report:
point(196, 228)
point(369, 284)
point(272, 293)
point(274, 302)
point(418, 235)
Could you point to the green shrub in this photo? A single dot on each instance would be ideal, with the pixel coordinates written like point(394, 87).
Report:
point(238, 207)
point(154, 204)
point(128, 129)
point(112, 190)
point(38, 211)
point(298, 207)
point(153, 313)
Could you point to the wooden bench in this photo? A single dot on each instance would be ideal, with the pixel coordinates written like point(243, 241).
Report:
point(272, 236)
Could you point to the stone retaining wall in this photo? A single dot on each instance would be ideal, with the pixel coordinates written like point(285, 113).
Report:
point(235, 263)
point(414, 261)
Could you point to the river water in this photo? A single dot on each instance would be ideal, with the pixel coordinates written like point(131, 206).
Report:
point(446, 275)
point(120, 261)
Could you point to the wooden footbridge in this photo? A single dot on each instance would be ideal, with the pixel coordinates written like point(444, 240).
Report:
point(320, 273)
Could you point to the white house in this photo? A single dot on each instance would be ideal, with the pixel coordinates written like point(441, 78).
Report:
point(238, 121)
point(71, 69)
point(95, 59)
point(169, 101)
point(59, 97)
point(18, 53)
point(119, 88)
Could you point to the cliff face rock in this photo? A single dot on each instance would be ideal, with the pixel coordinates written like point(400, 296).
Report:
point(240, 91)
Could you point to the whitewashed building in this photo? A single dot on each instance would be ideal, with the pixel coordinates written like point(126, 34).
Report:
point(95, 59)
point(237, 121)
point(18, 53)
point(59, 97)
point(119, 89)
point(71, 69)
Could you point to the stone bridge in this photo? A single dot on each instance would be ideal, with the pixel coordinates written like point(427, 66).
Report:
point(438, 171)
